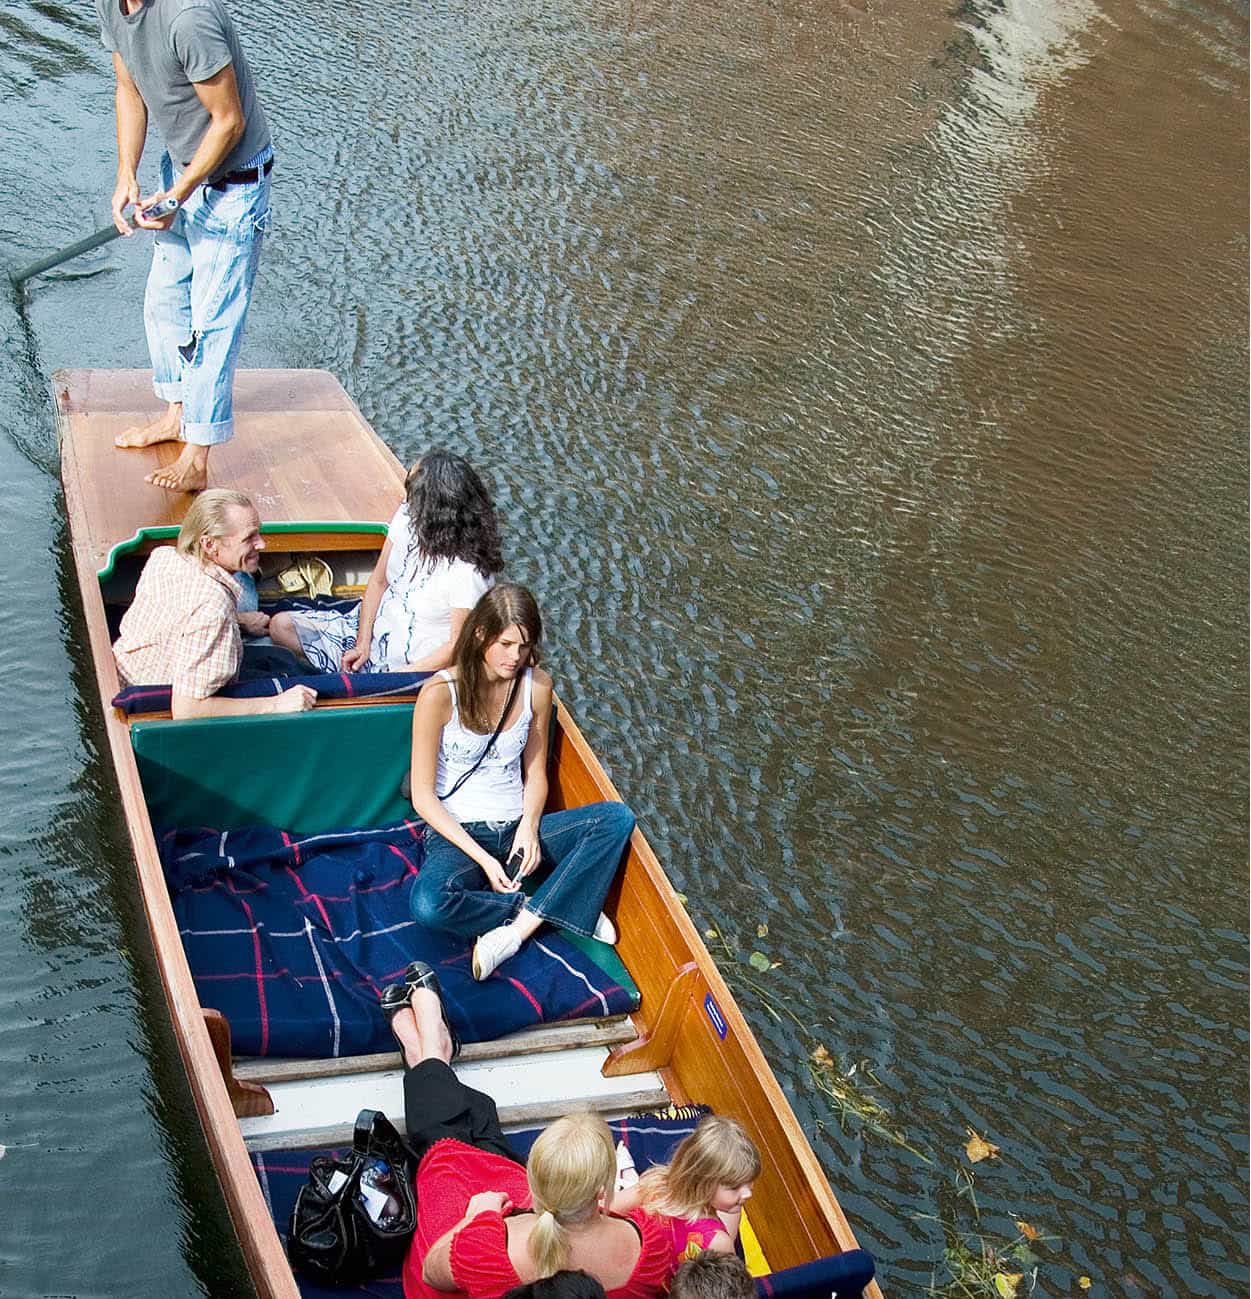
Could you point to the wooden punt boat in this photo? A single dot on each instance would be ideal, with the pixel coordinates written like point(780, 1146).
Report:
point(325, 483)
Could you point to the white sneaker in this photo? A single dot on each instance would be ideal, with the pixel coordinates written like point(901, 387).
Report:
point(605, 931)
point(627, 1174)
point(493, 949)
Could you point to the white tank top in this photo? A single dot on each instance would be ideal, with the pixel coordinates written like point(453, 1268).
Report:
point(493, 792)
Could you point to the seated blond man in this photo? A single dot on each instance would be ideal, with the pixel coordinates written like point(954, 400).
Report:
point(183, 626)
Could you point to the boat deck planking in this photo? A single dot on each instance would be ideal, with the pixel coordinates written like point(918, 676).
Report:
point(612, 1031)
point(281, 417)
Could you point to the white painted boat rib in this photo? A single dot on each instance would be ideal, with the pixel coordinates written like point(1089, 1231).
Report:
point(528, 1089)
point(613, 1031)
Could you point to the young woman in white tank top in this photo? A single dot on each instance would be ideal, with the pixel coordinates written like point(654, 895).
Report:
point(479, 780)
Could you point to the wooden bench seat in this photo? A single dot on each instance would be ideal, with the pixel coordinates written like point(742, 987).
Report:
point(612, 1031)
point(529, 1086)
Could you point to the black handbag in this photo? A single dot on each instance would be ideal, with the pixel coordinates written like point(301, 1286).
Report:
point(354, 1218)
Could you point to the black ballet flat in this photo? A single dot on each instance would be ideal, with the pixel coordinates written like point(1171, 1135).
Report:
point(421, 975)
point(394, 998)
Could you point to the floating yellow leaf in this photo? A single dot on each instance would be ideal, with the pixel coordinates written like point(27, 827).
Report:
point(1030, 1233)
point(978, 1148)
point(822, 1057)
point(1084, 1282)
point(762, 931)
point(710, 933)
point(1007, 1282)
point(682, 898)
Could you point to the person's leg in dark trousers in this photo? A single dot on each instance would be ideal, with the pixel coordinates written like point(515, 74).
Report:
point(437, 1105)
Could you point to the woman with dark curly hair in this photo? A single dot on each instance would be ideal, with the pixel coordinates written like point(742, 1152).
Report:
point(441, 554)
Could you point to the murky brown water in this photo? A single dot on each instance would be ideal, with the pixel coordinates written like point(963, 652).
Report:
point(866, 392)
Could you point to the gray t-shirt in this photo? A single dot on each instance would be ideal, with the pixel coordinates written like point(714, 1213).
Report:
point(167, 45)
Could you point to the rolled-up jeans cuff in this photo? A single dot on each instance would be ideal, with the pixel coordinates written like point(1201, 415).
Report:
point(208, 435)
point(167, 391)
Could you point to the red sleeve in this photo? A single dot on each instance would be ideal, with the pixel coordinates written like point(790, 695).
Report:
point(656, 1263)
point(479, 1261)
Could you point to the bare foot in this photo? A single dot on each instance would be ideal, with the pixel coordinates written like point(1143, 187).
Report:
point(404, 1026)
point(428, 1014)
point(189, 473)
point(167, 427)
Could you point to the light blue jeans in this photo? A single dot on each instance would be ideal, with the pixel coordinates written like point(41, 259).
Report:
point(197, 299)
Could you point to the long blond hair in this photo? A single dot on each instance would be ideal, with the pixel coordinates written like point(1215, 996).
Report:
point(571, 1169)
point(718, 1153)
point(209, 516)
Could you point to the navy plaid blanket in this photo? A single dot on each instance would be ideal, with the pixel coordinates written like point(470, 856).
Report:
point(650, 1139)
point(292, 939)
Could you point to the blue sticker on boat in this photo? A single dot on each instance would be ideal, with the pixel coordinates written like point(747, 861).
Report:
point(713, 1011)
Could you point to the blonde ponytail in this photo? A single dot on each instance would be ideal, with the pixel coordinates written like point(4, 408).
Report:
point(549, 1245)
point(571, 1170)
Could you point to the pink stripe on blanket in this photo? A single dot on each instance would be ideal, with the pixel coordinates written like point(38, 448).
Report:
point(528, 995)
point(293, 844)
point(311, 897)
point(404, 857)
point(586, 1005)
point(259, 974)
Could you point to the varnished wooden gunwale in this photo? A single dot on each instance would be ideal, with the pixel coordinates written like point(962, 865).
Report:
point(795, 1213)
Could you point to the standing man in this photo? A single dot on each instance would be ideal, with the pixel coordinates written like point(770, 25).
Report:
point(180, 61)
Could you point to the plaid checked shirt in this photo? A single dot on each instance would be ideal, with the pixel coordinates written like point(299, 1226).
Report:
point(182, 627)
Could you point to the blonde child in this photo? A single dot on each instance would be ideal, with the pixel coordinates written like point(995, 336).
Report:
point(700, 1193)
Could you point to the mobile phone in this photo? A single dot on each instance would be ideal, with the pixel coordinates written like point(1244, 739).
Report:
point(161, 209)
point(518, 854)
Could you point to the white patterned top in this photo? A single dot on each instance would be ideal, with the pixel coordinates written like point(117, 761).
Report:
point(494, 791)
point(415, 613)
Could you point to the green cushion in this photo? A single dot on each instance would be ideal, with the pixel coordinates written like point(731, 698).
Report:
point(330, 769)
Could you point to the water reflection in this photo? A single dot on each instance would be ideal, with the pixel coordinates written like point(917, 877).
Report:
point(865, 393)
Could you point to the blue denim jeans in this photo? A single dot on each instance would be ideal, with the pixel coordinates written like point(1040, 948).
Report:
point(197, 299)
point(581, 852)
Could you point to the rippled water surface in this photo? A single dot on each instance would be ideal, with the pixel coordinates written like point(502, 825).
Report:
point(865, 388)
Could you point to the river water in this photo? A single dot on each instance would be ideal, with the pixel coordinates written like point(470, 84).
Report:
point(865, 390)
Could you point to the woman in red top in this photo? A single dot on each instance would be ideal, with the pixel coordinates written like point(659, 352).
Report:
point(485, 1224)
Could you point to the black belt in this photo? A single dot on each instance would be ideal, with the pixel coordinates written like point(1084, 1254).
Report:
point(248, 176)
